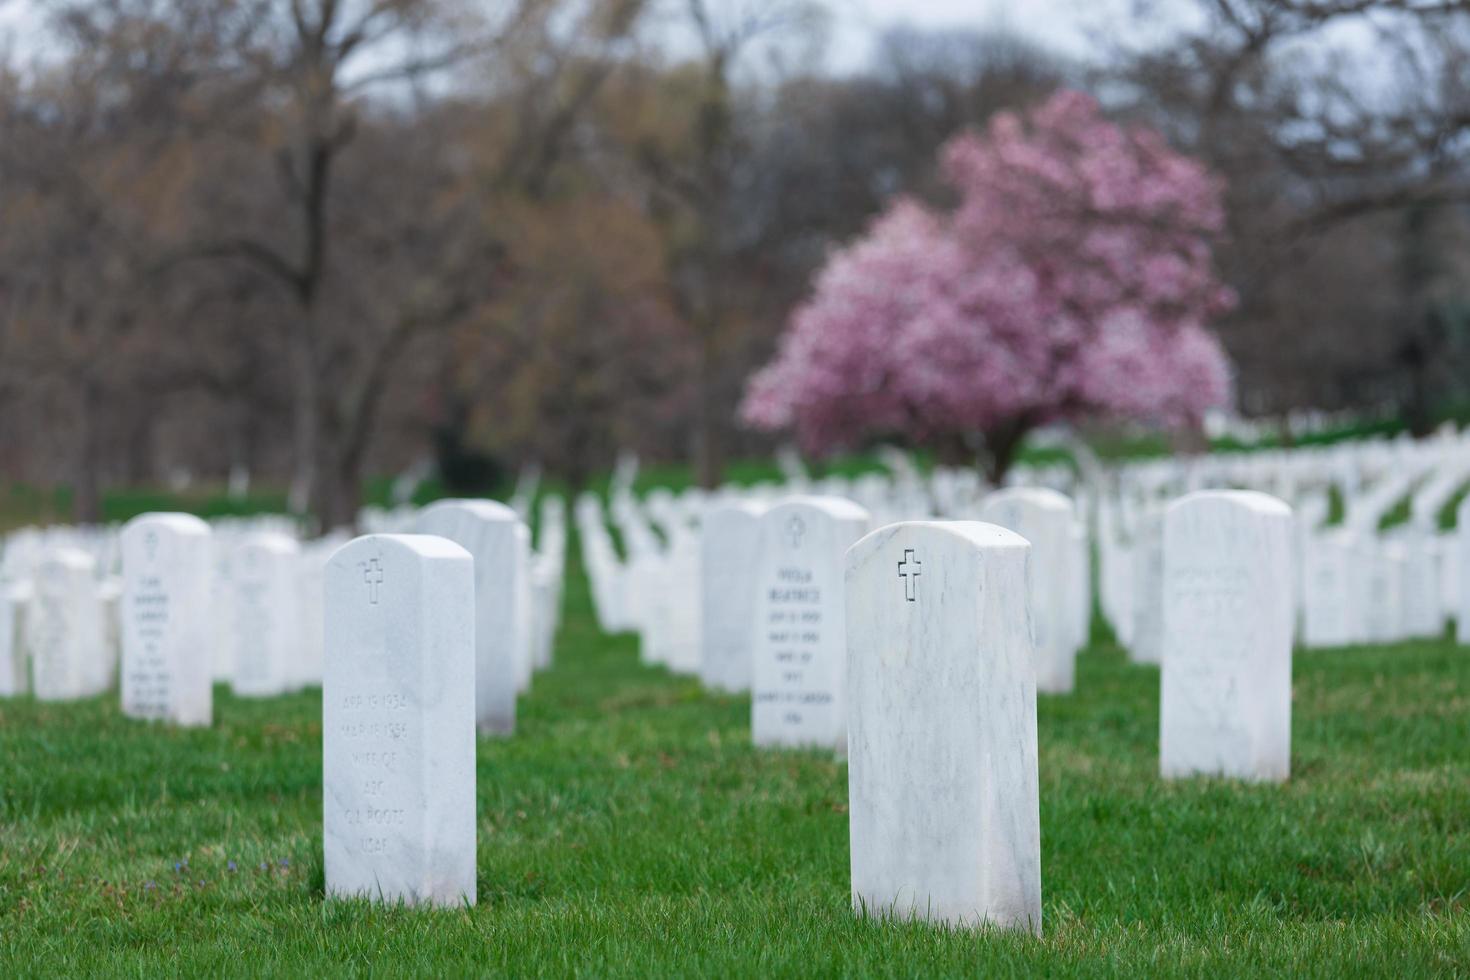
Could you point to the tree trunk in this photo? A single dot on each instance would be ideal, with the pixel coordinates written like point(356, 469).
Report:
point(86, 501)
point(1001, 446)
point(953, 449)
point(339, 494)
point(306, 422)
point(709, 464)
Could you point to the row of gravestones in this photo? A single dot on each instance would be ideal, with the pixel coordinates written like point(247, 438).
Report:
point(912, 648)
point(693, 598)
point(65, 617)
point(55, 627)
point(1354, 583)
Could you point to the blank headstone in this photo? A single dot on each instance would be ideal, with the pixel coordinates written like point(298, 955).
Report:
point(728, 592)
point(1080, 588)
point(1330, 610)
point(1044, 518)
point(800, 658)
point(499, 542)
point(398, 721)
point(1421, 615)
point(14, 675)
point(1381, 588)
point(683, 605)
point(1225, 707)
point(168, 565)
point(942, 758)
point(1147, 628)
point(64, 628)
point(311, 571)
point(266, 604)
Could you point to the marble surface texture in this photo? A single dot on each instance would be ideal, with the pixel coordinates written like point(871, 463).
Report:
point(799, 627)
point(398, 721)
point(728, 551)
point(167, 639)
point(942, 757)
point(1044, 518)
point(1225, 704)
point(499, 542)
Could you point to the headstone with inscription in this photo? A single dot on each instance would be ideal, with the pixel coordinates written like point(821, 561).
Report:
point(167, 564)
point(1225, 704)
point(266, 603)
point(942, 759)
point(800, 645)
point(64, 628)
point(1044, 518)
point(499, 542)
point(728, 552)
point(398, 721)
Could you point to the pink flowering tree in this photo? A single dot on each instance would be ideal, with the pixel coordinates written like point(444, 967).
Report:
point(1073, 280)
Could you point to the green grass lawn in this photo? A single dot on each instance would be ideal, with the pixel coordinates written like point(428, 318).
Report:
point(630, 829)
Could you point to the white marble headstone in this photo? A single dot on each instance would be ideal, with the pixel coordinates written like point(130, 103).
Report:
point(1225, 705)
point(14, 666)
point(68, 649)
point(1330, 609)
point(728, 592)
point(168, 565)
point(266, 603)
point(800, 661)
point(499, 542)
point(398, 721)
point(1421, 614)
point(1044, 518)
point(942, 757)
point(1147, 627)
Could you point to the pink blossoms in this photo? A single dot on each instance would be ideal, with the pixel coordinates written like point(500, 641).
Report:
point(1073, 280)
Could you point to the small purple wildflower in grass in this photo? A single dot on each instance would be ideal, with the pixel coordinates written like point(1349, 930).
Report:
point(262, 865)
point(150, 885)
point(285, 863)
point(230, 866)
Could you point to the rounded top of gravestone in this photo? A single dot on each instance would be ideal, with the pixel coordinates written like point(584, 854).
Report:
point(1035, 496)
point(977, 533)
point(749, 508)
point(65, 556)
point(171, 520)
point(1252, 500)
point(838, 507)
point(418, 545)
point(489, 510)
point(272, 541)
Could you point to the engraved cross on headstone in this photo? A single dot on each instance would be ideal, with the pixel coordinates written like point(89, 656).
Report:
point(372, 574)
point(908, 570)
point(795, 528)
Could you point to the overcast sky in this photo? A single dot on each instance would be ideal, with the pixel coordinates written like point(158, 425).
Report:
point(1064, 26)
point(1077, 29)
point(1068, 27)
